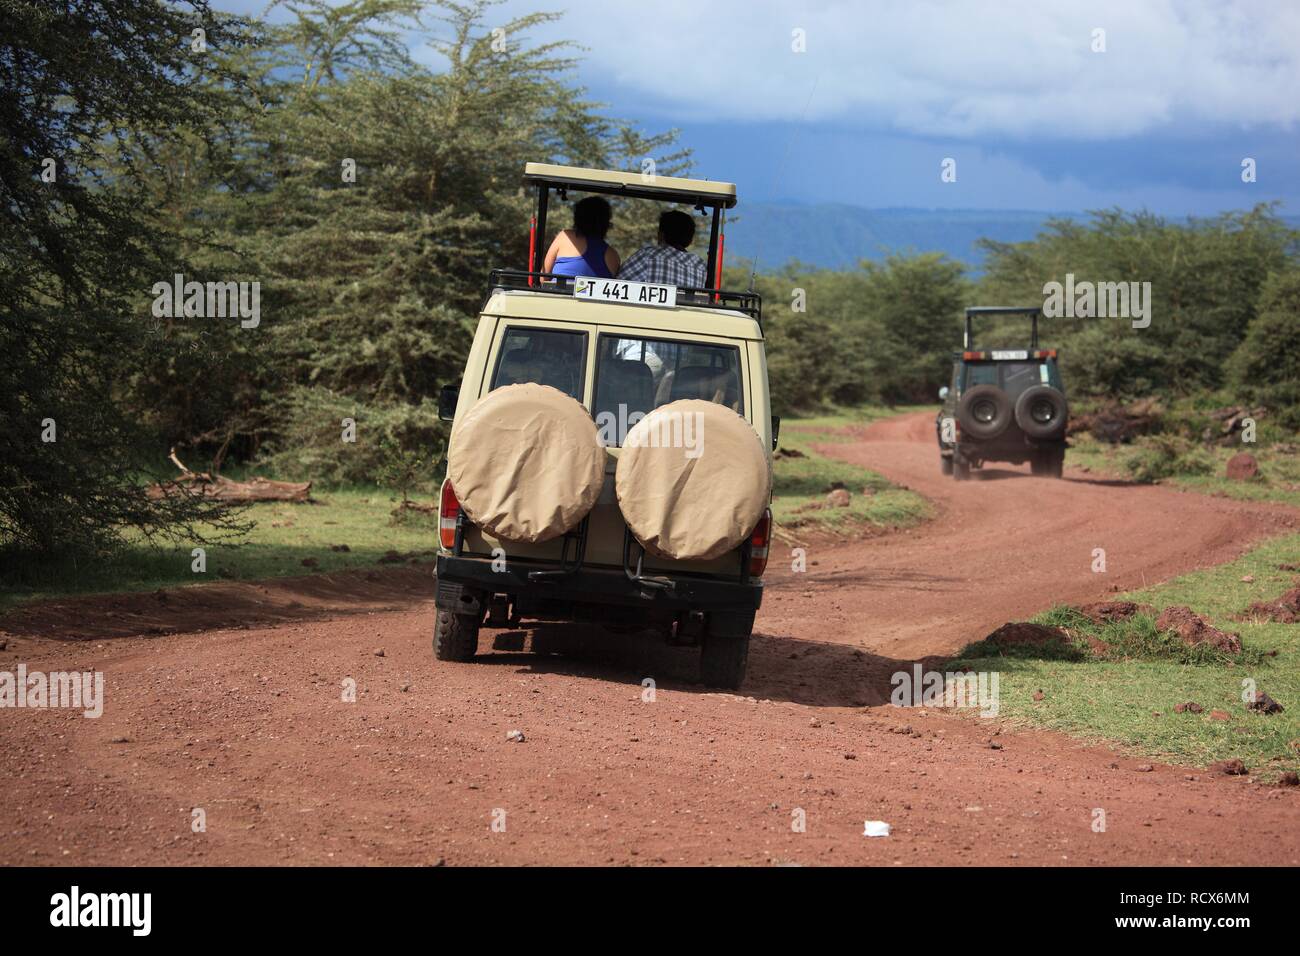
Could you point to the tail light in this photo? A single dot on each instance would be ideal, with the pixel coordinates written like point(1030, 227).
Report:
point(448, 512)
point(758, 544)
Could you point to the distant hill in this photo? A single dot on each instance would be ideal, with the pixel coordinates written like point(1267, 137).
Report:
point(834, 235)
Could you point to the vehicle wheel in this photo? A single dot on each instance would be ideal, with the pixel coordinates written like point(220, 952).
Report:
point(945, 465)
point(455, 636)
point(1041, 412)
point(725, 653)
point(960, 468)
point(1041, 464)
point(984, 412)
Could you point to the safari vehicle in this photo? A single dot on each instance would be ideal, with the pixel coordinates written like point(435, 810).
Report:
point(610, 451)
point(1005, 404)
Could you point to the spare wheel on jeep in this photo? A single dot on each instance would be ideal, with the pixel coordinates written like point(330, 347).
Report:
point(1041, 412)
point(984, 412)
point(693, 480)
point(526, 463)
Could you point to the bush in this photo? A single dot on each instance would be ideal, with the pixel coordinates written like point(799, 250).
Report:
point(1266, 366)
point(1153, 457)
point(311, 446)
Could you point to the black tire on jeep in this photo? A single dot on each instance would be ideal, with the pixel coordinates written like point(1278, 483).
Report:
point(984, 412)
point(960, 467)
point(455, 636)
point(725, 651)
point(945, 464)
point(1041, 412)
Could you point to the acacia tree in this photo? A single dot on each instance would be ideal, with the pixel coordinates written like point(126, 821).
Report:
point(86, 84)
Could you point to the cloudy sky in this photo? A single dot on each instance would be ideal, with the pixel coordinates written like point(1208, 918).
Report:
point(1019, 92)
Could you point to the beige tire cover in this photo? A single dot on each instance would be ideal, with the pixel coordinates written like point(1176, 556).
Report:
point(692, 503)
point(525, 463)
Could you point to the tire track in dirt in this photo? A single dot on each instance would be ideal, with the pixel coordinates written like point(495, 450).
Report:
point(248, 723)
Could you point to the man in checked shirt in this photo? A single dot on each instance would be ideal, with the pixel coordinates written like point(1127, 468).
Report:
point(666, 261)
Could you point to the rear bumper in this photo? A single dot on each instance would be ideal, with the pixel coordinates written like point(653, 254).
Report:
point(1012, 445)
point(458, 575)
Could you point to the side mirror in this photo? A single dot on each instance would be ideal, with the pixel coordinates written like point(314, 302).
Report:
point(776, 430)
point(943, 393)
point(447, 399)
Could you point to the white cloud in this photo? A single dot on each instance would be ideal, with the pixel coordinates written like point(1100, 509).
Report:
point(1018, 68)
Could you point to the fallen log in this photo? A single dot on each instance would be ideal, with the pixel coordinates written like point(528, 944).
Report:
point(227, 489)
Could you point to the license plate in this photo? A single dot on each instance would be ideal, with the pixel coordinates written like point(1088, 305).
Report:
point(631, 293)
point(1009, 355)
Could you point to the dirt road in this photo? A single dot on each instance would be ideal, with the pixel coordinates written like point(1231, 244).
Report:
point(240, 715)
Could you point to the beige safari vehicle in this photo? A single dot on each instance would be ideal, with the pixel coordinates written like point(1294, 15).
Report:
point(611, 448)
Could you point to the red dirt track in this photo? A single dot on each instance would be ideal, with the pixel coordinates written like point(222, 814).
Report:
point(238, 712)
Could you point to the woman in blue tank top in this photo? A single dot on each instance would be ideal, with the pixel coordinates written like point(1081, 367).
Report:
point(582, 250)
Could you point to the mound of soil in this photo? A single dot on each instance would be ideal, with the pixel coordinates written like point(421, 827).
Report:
point(1025, 634)
point(1242, 467)
point(1193, 629)
point(1283, 610)
point(1265, 704)
point(1104, 612)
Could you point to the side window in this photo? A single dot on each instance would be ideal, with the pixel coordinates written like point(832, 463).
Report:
point(551, 357)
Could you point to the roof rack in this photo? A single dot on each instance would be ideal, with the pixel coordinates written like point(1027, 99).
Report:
point(981, 310)
point(518, 280)
point(695, 192)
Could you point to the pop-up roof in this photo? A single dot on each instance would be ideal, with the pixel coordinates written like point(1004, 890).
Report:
point(695, 192)
point(1032, 311)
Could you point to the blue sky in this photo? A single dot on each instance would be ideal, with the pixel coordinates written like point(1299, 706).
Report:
point(1019, 92)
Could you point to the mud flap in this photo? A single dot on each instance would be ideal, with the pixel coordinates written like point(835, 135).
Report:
point(457, 598)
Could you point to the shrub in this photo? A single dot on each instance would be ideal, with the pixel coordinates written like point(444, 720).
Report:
point(1153, 457)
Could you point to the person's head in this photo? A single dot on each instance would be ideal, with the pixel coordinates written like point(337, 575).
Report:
point(676, 229)
point(591, 217)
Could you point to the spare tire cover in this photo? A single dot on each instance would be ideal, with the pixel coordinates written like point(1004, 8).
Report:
point(526, 463)
point(692, 480)
point(984, 412)
point(1041, 412)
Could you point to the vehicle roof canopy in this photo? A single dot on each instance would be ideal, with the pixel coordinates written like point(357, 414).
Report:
point(696, 192)
point(1033, 311)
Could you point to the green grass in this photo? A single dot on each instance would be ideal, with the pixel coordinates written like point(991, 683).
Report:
point(284, 535)
point(1279, 478)
point(1128, 699)
point(798, 482)
point(837, 422)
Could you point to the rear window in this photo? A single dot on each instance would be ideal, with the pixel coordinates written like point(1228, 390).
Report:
point(635, 376)
point(1012, 377)
point(546, 356)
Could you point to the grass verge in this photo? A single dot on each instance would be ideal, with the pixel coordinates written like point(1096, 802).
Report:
point(283, 537)
point(802, 480)
point(1128, 698)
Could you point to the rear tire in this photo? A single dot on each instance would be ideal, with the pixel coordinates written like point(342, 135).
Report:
point(960, 468)
point(725, 654)
point(945, 464)
point(455, 636)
